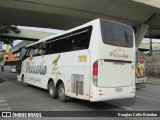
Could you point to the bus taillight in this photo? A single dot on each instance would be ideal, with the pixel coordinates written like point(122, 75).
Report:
point(95, 73)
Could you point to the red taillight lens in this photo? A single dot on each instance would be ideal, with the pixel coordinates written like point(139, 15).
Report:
point(95, 68)
point(95, 73)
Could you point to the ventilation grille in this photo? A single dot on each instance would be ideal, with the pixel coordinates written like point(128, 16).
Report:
point(77, 83)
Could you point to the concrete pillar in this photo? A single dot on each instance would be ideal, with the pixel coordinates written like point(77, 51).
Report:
point(7, 48)
point(151, 46)
point(141, 30)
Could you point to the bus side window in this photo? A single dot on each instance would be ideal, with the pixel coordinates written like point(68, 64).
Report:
point(39, 49)
point(23, 53)
point(27, 53)
point(56, 46)
point(67, 44)
point(32, 51)
point(76, 40)
point(53, 47)
point(42, 49)
point(36, 50)
point(82, 41)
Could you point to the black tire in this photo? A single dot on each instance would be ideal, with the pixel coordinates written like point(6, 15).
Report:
point(61, 93)
point(22, 81)
point(52, 90)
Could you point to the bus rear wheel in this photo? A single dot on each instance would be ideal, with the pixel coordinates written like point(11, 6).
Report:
point(61, 93)
point(52, 90)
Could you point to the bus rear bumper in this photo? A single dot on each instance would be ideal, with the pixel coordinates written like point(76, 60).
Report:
point(102, 94)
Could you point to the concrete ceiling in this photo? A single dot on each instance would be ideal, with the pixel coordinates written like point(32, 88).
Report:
point(66, 14)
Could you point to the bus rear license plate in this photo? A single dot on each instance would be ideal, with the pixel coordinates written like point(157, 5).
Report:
point(119, 90)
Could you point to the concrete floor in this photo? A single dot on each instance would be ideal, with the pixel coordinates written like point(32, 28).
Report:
point(16, 97)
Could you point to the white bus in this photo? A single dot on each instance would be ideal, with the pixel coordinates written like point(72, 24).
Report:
point(95, 62)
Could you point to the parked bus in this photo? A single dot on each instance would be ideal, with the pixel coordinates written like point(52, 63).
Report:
point(141, 67)
point(94, 62)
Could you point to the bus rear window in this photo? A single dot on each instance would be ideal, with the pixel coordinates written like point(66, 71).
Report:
point(116, 34)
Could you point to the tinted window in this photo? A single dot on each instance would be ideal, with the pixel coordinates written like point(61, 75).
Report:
point(32, 50)
point(39, 49)
point(42, 49)
point(81, 41)
point(76, 40)
point(27, 53)
point(36, 50)
point(23, 53)
point(53, 46)
point(116, 34)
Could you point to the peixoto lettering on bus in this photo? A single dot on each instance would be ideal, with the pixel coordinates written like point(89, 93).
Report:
point(118, 55)
point(36, 69)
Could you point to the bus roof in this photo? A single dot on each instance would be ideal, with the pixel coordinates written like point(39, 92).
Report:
point(53, 36)
point(65, 32)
